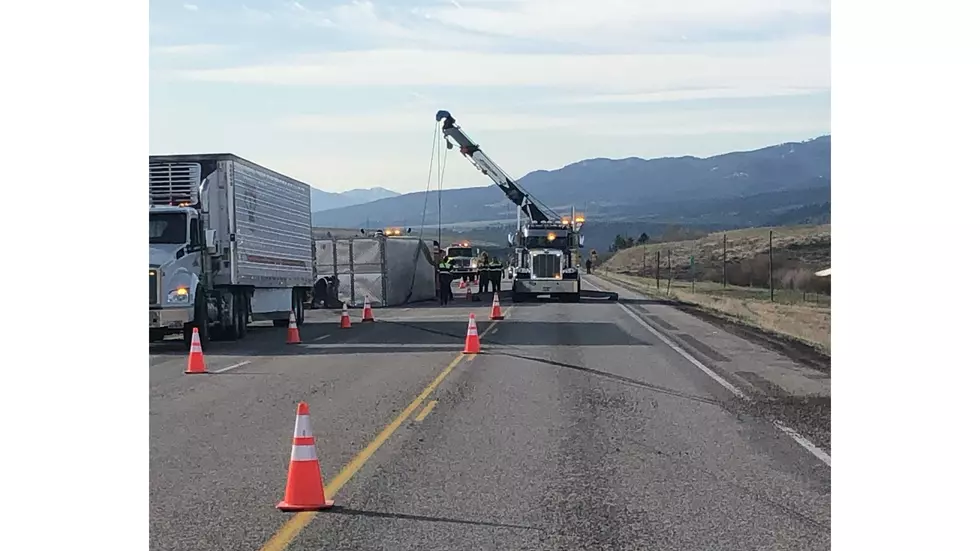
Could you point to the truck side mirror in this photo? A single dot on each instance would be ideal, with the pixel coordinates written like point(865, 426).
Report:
point(210, 241)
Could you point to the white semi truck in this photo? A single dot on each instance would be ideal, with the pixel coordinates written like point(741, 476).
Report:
point(231, 242)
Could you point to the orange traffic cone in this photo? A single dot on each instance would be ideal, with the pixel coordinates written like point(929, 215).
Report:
point(345, 318)
point(195, 361)
point(304, 483)
point(462, 283)
point(495, 313)
point(472, 338)
point(292, 334)
point(367, 315)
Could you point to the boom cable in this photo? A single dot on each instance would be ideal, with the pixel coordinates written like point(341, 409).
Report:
point(428, 180)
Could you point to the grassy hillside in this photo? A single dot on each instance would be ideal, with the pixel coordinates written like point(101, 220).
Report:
point(798, 252)
point(801, 309)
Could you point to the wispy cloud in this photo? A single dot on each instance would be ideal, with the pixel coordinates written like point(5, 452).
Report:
point(663, 123)
point(690, 94)
point(621, 21)
point(793, 64)
point(367, 22)
point(190, 7)
point(190, 49)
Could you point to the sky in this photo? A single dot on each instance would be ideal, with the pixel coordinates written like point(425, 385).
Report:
point(343, 94)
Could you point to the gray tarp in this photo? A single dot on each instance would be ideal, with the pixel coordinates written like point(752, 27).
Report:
point(390, 270)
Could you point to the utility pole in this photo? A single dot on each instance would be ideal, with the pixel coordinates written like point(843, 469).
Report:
point(658, 270)
point(724, 261)
point(772, 291)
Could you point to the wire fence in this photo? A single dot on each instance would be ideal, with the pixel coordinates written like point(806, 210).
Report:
point(782, 266)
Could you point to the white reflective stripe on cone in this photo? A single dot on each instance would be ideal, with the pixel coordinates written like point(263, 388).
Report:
point(303, 428)
point(303, 453)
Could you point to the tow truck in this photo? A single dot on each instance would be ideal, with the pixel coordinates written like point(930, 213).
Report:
point(546, 244)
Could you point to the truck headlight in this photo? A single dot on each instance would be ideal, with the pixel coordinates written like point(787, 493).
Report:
point(179, 295)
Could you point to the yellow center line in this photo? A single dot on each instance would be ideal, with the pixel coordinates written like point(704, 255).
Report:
point(426, 410)
point(292, 527)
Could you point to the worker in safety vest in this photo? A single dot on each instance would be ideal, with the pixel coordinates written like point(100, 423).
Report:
point(496, 274)
point(483, 268)
point(445, 282)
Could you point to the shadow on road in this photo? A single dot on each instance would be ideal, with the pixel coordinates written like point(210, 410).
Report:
point(341, 510)
point(381, 337)
point(663, 301)
point(613, 377)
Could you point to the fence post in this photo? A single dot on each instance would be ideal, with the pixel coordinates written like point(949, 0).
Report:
point(658, 269)
point(643, 271)
point(694, 275)
point(670, 272)
point(724, 261)
point(772, 291)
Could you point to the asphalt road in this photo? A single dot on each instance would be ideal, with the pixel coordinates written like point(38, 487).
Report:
point(575, 428)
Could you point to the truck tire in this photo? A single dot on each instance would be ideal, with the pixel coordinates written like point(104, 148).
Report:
point(240, 313)
point(200, 321)
point(299, 308)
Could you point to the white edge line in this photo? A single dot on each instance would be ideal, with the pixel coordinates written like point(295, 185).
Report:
point(718, 378)
point(802, 440)
point(233, 366)
point(321, 337)
point(797, 437)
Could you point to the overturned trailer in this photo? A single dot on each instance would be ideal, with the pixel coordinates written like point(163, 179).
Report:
point(389, 270)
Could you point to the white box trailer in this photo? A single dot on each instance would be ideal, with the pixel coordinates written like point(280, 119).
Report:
point(390, 270)
point(231, 242)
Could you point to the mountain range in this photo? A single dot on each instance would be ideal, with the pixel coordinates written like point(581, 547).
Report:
point(325, 200)
point(781, 184)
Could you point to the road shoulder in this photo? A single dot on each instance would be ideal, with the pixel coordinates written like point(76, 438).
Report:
point(779, 387)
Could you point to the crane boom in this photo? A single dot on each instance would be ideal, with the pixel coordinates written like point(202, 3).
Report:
point(472, 151)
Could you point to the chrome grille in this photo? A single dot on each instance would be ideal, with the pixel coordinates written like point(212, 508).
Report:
point(154, 287)
point(546, 265)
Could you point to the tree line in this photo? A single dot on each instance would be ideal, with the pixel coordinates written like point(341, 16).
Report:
point(622, 242)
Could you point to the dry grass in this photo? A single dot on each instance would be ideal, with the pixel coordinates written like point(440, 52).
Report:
point(789, 316)
point(809, 245)
point(798, 252)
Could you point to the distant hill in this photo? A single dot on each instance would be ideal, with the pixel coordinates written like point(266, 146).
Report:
point(781, 184)
point(325, 200)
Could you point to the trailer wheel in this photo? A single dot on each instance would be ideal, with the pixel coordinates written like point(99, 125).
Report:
point(240, 306)
point(299, 307)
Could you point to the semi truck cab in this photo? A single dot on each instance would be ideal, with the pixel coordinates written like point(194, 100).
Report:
point(177, 240)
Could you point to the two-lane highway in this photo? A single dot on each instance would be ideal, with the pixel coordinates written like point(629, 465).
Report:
point(576, 428)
